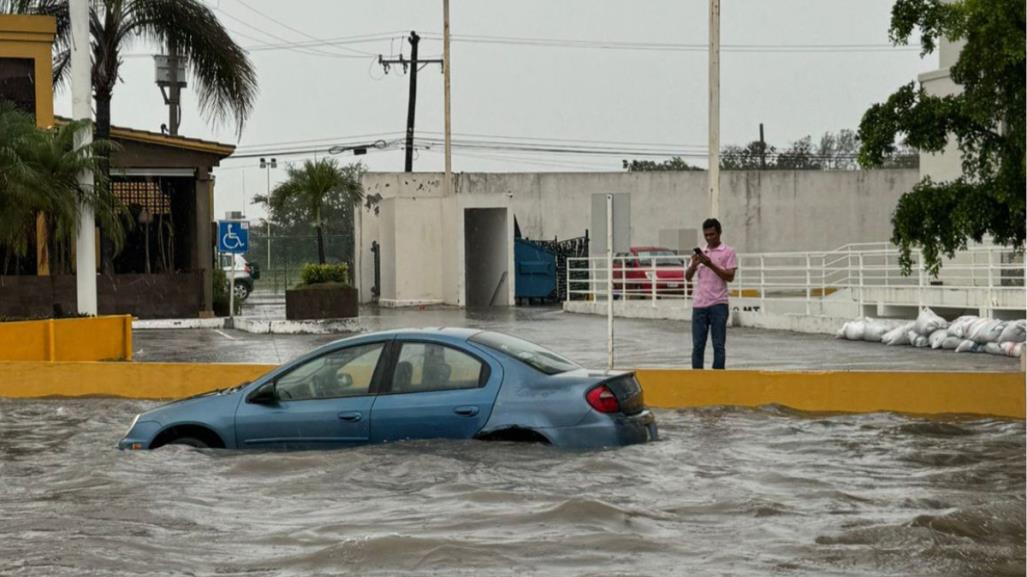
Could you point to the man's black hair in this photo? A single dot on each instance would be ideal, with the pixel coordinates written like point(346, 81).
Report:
point(711, 223)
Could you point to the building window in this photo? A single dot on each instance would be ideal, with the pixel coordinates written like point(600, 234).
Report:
point(18, 83)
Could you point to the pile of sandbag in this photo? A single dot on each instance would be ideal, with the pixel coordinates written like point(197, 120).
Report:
point(965, 334)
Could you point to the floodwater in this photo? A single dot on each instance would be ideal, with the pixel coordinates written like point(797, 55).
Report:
point(725, 492)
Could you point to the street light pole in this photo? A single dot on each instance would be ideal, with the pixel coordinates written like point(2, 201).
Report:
point(81, 100)
point(267, 166)
point(713, 171)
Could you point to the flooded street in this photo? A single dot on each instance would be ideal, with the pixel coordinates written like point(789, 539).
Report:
point(725, 492)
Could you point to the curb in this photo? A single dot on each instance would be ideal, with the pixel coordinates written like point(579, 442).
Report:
point(256, 325)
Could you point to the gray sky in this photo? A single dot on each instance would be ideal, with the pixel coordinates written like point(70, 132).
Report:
point(616, 74)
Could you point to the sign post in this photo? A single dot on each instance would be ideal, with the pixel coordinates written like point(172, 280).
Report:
point(233, 238)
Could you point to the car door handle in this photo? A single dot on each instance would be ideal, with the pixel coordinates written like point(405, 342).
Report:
point(466, 410)
point(351, 416)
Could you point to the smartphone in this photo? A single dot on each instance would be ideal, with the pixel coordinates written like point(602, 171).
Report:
point(697, 250)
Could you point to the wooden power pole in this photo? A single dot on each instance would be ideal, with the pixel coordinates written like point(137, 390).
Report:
point(414, 64)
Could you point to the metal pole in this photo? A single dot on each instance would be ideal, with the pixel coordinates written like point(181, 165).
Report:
point(609, 281)
point(713, 171)
point(81, 94)
point(231, 290)
point(412, 102)
point(445, 74)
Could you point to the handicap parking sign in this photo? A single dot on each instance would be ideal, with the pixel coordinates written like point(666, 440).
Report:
point(233, 236)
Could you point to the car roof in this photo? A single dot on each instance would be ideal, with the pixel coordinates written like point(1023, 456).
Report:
point(638, 248)
point(457, 333)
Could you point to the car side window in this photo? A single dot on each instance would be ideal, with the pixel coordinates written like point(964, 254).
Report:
point(343, 373)
point(433, 367)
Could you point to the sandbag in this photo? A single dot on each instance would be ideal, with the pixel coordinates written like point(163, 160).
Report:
point(918, 341)
point(937, 338)
point(898, 335)
point(1015, 332)
point(874, 330)
point(985, 331)
point(950, 343)
point(853, 330)
point(928, 321)
point(968, 346)
point(1009, 348)
point(993, 349)
point(959, 327)
point(1018, 349)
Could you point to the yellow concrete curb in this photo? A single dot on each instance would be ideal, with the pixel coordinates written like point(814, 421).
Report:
point(997, 394)
point(922, 393)
point(75, 339)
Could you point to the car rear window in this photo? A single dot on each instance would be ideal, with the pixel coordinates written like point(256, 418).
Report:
point(536, 357)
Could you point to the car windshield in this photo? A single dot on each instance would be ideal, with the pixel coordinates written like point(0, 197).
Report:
point(534, 356)
point(663, 258)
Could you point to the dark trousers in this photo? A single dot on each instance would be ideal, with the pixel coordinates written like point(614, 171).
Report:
point(709, 320)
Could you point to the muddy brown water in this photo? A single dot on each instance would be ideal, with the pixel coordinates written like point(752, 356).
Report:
point(725, 492)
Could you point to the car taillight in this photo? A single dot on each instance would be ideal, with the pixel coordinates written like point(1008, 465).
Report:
point(248, 268)
point(603, 400)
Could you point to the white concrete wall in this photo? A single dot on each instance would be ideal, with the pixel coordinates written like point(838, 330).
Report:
point(761, 212)
point(945, 165)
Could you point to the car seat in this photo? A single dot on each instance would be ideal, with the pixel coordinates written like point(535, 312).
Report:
point(403, 375)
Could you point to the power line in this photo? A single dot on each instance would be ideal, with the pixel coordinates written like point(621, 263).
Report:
point(298, 31)
point(289, 45)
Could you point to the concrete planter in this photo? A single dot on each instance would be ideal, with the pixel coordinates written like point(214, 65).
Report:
point(321, 301)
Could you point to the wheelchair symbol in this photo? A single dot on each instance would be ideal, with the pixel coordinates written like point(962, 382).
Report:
point(231, 241)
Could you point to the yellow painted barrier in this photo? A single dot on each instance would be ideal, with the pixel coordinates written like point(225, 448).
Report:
point(996, 394)
point(76, 339)
point(131, 380)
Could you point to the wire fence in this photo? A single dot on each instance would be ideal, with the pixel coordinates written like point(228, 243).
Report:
point(280, 267)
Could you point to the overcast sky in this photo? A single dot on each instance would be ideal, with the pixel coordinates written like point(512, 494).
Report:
point(616, 74)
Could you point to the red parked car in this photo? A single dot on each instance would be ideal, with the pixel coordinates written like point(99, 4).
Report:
point(633, 272)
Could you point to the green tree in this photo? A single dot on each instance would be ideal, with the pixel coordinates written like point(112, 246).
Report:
point(675, 163)
point(314, 191)
point(986, 121)
point(39, 172)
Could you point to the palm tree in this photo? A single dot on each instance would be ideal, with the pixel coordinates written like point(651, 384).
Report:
point(313, 188)
point(39, 172)
point(222, 73)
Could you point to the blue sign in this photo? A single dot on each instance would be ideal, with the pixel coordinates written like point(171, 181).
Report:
point(233, 236)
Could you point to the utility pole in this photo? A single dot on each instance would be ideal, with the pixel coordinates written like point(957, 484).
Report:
point(267, 165)
point(81, 104)
point(174, 90)
point(763, 150)
point(713, 172)
point(414, 65)
point(445, 73)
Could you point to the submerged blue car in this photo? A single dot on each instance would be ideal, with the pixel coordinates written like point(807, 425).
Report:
point(449, 383)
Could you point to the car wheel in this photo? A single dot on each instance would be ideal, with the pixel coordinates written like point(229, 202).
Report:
point(190, 442)
point(241, 291)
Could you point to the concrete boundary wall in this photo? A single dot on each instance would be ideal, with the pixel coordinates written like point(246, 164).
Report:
point(920, 393)
point(76, 339)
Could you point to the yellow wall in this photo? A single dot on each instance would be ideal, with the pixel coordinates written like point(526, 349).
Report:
point(79, 339)
point(996, 394)
point(999, 394)
point(32, 37)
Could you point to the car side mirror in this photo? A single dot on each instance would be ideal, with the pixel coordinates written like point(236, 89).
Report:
point(264, 395)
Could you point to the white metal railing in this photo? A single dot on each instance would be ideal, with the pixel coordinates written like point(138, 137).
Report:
point(989, 276)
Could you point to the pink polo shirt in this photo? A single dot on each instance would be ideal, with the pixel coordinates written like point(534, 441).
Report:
point(711, 289)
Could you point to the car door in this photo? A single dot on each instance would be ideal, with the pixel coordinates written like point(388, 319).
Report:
point(434, 390)
point(323, 402)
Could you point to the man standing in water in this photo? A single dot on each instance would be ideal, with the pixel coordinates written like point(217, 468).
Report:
point(716, 265)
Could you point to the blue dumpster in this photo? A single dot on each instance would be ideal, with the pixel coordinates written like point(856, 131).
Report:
point(536, 271)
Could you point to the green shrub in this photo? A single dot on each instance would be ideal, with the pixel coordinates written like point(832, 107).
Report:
point(220, 296)
point(324, 273)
